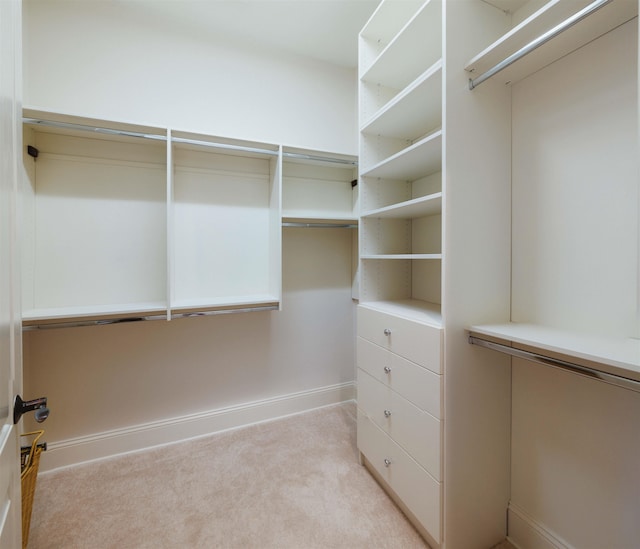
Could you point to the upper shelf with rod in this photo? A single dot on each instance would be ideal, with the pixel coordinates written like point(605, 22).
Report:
point(553, 31)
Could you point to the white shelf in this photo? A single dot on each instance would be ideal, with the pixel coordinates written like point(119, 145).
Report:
point(326, 218)
point(221, 303)
point(418, 207)
point(543, 20)
point(401, 256)
point(413, 112)
point(418, 160)
point(90, 312)
point(422, 36)
point(315, 190)
point(388, 19)
point(614, 355)
point(412, 309)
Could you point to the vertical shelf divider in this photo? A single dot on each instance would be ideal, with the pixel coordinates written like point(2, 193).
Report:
point(170, 231)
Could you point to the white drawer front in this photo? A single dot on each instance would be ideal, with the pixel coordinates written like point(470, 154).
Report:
point(415, 430)
point(413, 382)
point(419, 491)
point(373, 398)
point(415, 341)
point(374, 444)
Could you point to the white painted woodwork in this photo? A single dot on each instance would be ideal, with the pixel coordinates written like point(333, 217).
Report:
point(394, 158)
point(421, 35)
point(400, 111)
point(10, 335)
point(614, 355)
point(413, 340)
point(575, 191)
point(217, 213)
point(413, 112)
point(87, 203)
point(416, 488)
point(222, 222)
point(567, 131)
point(317, 191)
point(548, 15)
point(416, 383)
point(415, 430)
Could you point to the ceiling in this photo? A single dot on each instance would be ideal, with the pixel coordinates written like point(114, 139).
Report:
point(325, 30)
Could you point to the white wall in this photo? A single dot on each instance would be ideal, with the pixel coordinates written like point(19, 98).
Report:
point(108, 60)
point(576, 442)
point(96, 59)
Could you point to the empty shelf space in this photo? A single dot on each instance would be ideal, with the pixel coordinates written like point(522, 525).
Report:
point(411, 309)
point(417, 45)
point(413, 112)
point(418, 160)
point(418, 207)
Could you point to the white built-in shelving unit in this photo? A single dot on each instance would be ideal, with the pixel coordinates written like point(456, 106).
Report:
point(126, 221)
point(590, 20)
point(478, 216)
point(401, 209)
point(401, 155)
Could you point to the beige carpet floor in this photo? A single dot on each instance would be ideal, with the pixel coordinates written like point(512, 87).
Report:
point(293, 483)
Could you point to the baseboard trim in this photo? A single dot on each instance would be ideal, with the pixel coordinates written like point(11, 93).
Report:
point(78, 450)
point(527, 533)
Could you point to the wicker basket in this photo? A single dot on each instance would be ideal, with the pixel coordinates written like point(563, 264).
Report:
point(29, 461)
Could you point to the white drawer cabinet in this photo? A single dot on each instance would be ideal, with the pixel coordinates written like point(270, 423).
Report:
point(415, 430)
point(415, 341)
point(400, 409)
point(417, 489)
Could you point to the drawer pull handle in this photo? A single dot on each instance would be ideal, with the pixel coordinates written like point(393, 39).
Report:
point(387, 370)
point(387, 462)
point(387, 413)
point(387, 332)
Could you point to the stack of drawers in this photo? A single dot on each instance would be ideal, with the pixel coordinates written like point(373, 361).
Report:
point(399, 409)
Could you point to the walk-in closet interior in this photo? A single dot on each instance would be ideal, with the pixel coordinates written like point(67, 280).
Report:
point(219, 227)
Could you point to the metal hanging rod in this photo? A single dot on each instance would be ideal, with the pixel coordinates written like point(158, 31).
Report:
point(225, 311)
point(125, 320)
point(321, 225)
point(78, 323)
point(202, 143)
point(227, 146)
point(542, 39)
point(82, 127)
point(328, 159)
point(612, 379)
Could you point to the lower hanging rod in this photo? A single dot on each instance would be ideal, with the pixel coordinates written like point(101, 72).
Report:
point(320, 225)
point(128, 319)
point(612, 379)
